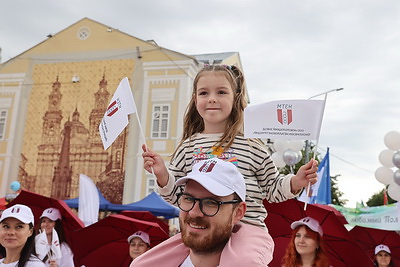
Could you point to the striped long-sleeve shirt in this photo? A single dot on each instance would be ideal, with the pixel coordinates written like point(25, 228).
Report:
point(253, 161)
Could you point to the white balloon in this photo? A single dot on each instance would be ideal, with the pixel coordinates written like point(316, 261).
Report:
point(396, 177)
point(290, 157)
point(281, 145)
point(296, 145)
point(396, 159)
point(277, 158)
point(384, 175)
point(392, 140)
point(386, 158)
point(394, 191)
point(299, 156)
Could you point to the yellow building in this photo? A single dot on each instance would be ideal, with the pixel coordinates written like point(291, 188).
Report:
point(53, 96)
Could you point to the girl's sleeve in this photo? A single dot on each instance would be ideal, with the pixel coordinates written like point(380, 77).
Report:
point(276, 187)
point(176, 170)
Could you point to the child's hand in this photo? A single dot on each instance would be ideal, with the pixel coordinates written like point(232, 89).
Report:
point(306, 174)
point(154, 163)
point(52, 263)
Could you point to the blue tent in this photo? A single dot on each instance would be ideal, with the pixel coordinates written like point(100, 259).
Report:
point(153, 203)
point(104, 203)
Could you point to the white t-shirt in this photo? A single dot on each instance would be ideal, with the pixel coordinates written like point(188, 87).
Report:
point(32, 262)
point(187, 263)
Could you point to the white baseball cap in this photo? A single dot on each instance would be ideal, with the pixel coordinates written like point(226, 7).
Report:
point(19, 212)
point(51, 213)
point(142, 235)
point(311, 223)
point(382, 247)
point(219, 177)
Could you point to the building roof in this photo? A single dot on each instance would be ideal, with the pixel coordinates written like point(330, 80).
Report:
point(214, 58)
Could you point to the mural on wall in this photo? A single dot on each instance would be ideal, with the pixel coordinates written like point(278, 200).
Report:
point(61, 139)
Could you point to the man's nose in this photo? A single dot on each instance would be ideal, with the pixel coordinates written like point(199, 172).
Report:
point(196, 211)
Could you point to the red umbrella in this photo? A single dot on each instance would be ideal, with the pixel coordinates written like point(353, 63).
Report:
point(39, 203)
point(146, 216)
point(341, 248)
point(104, 243)
point(369, 238)
point(338, 214)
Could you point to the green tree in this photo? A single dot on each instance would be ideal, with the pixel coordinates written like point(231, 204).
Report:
point(336, 193)
point(377, 199)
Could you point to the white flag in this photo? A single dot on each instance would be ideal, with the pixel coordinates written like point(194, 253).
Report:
point(41, 245)
point(89, 201)
point(55, 246)
point(284, 119)
point(116, 116)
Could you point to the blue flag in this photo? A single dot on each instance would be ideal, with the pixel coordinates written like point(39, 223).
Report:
point(320, 192)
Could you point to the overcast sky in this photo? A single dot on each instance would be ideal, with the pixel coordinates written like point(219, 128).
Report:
point(289, 49)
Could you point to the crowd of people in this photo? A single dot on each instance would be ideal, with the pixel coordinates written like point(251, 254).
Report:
point(217, 178)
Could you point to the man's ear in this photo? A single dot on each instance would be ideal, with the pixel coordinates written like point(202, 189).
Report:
point(239, 212)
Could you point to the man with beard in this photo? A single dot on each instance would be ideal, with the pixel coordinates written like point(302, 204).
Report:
point(212, 203)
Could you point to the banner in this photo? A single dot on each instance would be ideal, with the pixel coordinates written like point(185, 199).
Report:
point(381, 217)
point(320, 192)
point(89, 202)
point(116, 116)
point(284, 119)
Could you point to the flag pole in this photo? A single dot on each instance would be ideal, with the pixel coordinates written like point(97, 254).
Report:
point(144, 140)
point(317, 141)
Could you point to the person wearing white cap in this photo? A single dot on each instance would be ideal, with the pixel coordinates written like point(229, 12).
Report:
point(213, 128)
point(17, 237)
point(383, 256)
point(212, 203)
point(306, 246)
point(139, 243)
point(51, 244)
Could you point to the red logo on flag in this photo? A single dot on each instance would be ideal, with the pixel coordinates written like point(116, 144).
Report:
point(285, 116)
point(113, 107)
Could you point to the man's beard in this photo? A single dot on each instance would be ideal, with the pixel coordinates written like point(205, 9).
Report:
point(214, 242)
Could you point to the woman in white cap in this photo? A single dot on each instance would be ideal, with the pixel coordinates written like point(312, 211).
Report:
point(51, 245)
point(139, 243)
point(383, 257)
point(306, 246)
point(17, 238)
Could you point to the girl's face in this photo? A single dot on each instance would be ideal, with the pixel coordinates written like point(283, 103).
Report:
point(383, 258)
point(14, 234)
point(304, 244)
point(47, 225)
point(137, 247)
point(214, 101)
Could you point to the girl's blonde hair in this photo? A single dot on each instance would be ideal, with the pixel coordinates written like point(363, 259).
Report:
point(193, 122)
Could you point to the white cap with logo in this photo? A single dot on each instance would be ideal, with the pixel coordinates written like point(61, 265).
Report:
point(219, 177)
point(312, 223)
point(142, 235)
point(382, 247)
point(19, 212)
point(51, 213)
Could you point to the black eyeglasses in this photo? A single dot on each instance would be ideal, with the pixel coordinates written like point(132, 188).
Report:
point(208, 206)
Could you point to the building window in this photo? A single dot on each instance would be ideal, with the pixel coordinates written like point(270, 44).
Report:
point(160, 121)
point(83, 33)
point(151, 185)
point(3, 117)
